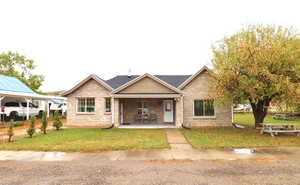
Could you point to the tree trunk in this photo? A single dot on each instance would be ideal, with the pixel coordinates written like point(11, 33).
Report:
point(260, 110)
point(259, 117)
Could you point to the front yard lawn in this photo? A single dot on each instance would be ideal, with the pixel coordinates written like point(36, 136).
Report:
point(235, 138)
point(247, 119)
point(91, 140)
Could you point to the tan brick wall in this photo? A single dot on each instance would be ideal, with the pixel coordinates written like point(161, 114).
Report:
point(179, 112)
point(99, 118)
point(200, 88)
point(147, 85)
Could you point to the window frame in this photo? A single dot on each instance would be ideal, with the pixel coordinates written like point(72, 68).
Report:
point(85, 98)
point(105, 99)
point(204, 116)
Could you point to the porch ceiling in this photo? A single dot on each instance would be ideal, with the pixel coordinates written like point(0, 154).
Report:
point(146, 95)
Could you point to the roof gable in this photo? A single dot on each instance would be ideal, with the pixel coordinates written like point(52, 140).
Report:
point(146, 84)
point(94, 77)
point(174, 80)
point(13, 84)
point(191, 78)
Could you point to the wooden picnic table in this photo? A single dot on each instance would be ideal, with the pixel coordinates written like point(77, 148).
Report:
point(276, 128)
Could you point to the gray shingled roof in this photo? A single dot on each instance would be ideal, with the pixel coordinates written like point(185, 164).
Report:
point(174, 80)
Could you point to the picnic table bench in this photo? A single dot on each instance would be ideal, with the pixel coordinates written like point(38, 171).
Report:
point(282, 117)
point(276, 128)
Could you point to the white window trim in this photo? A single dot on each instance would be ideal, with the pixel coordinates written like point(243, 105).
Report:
point(105, 112)
point(83, 113)
point(214, 116)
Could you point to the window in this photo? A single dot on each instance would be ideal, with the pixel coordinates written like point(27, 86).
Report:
point(11, 104)
point(86, 105)
point(142, 108)
point(204, 108)
point(107, 105)
point(168, 106)
point(24, 104)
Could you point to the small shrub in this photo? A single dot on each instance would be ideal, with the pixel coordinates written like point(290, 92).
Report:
point(44, 122)
point(10, 133)
point(31, 129)
point(57, 123)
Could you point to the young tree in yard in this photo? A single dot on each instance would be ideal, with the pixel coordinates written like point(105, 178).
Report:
point(259, 64)
point(57, 123)
point(31, 129)
point(14, 64)
point(10, 132)
point(44, 122)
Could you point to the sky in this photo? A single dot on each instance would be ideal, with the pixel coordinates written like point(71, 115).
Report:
point(69, 40)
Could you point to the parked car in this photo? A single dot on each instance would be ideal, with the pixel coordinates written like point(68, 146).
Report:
point(15, 109)
point(242, 107)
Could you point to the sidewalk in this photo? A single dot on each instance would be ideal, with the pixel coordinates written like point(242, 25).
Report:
point(193, 154)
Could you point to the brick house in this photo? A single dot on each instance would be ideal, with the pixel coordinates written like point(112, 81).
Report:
point(146, 99)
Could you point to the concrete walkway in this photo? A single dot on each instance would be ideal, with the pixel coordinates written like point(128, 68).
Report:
point(177, 141)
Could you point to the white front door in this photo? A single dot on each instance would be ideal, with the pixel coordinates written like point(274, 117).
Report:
point(168, 110)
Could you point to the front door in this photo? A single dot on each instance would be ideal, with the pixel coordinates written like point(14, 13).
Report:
point(168, 111)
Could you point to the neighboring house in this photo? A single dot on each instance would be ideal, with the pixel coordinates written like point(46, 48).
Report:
point(145, 99)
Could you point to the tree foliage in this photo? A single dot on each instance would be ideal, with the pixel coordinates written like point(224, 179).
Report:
point(31, 129)
point(259, 64)
point(14, 64)
point(56, 121)
point(10, 133)
point(44, 122)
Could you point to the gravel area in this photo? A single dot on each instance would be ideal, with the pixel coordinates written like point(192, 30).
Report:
point(92, 170)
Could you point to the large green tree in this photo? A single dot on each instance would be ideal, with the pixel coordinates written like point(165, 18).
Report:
point(14, 64)
point(259, 64)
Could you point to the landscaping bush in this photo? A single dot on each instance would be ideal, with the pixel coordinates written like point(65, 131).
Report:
point(57, 123)
point(44, 122)
point(31, 129)
point(10, 133)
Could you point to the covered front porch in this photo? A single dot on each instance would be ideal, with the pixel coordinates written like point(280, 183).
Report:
point(147, 110)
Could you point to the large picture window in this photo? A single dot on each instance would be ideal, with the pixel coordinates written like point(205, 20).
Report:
point(86, 105)
point(204, 108)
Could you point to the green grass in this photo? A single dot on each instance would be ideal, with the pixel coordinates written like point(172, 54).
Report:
point(14, 123)
point(247, 119)
point(91, 140)
point(235, 138)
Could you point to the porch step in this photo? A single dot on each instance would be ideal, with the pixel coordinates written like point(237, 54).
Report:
point(150, 126)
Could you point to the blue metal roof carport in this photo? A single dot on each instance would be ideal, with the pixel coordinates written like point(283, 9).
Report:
point(13, 87)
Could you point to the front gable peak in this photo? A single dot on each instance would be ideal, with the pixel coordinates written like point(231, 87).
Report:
point(146, 84)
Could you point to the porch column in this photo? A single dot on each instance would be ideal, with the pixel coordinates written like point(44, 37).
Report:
point(179, 112)
point(116, 112)
point(112, 110)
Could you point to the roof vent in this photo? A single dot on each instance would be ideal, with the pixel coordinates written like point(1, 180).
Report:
point(129, 73)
